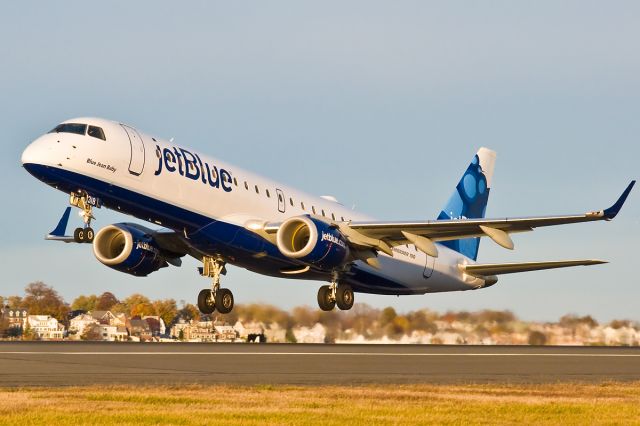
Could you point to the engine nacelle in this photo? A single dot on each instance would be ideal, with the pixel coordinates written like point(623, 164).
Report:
point(128, 248)
point(313, 242)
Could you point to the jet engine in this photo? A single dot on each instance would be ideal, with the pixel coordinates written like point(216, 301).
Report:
point(312, 242)
point(128, 248)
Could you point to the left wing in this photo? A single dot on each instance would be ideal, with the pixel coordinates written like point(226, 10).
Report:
point(384, 235)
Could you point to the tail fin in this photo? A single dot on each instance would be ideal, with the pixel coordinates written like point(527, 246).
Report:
point(469, 200)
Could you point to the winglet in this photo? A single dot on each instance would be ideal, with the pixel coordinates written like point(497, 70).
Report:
point(61, 229)
point(613, 211)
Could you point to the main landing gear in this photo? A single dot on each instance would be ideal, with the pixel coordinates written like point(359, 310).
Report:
point(215, 298)
point(85, 203)
point(335, 294)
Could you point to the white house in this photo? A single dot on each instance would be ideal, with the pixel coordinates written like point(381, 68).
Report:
point(45, 327)
point(315, 334)
point(113, 333)
point(79, 323)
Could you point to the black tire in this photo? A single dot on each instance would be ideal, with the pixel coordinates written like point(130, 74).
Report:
point(78, 235)
point(345, 297)
point(224, 300)
point(324, 299)
point(205, 302)
point(88, 235)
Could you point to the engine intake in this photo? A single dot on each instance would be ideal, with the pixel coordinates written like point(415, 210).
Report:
point(312, 242)
point(128, 248)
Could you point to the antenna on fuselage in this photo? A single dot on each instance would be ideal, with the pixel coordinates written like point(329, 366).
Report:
point(171, 140)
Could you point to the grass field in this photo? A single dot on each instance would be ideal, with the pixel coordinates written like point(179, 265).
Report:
point(567, 404)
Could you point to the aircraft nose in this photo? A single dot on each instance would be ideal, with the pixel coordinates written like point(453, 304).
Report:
point(35, 152)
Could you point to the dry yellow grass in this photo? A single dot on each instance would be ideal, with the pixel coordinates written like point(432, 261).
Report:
point(568, 404)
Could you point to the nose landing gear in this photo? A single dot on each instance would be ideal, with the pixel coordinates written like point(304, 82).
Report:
point(85, 203)
point(214, 298)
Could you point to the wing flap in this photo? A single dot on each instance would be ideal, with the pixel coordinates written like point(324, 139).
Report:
point(488, 269)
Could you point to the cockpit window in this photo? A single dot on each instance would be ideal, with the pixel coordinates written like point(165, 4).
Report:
point(96, 132)
point(77, 128)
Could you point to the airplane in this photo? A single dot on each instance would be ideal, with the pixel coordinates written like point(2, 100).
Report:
point(221, 214)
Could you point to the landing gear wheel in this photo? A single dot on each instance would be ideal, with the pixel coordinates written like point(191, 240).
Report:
point(344, 297)
point(206, 304)
point(325, 301)
point(88, 235)
point(78, 235)
point(224, 300)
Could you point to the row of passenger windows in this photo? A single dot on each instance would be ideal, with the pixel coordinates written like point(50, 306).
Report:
point(79, 129)
point(291, 202)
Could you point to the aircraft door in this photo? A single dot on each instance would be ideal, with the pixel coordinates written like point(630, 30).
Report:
point(136, 164)
point(281, 201)
point(428, 267)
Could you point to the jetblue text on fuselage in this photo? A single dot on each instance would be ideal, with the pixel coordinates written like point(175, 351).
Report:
point(191, 166)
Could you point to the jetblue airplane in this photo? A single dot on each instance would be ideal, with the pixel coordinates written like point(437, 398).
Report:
point(219, 214)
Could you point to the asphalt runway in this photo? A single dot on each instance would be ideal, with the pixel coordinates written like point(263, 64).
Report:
point(87, 363)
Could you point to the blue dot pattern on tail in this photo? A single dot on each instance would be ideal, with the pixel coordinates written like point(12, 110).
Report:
point(469, 201)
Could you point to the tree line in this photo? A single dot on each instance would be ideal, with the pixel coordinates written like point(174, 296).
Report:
point(370, 322)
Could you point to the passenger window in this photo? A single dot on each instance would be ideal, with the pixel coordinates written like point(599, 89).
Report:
point(291, 201)
point(96, 132)
point(302, 205)
point(257, 190)
point(268, 194)
point(313, 209)
point(246, 185)
point(322, 212)
point(333, 216)
point(280, 197)
point(342, 218)
point(235, 181)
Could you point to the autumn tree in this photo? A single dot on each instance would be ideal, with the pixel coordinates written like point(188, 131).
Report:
point(388, 315)
point(303, 316)
point(14, 302)
point(84, 303)
point(166, 309)
point(106, 301)
point(139, 305)
point(189, 312)
point(44, 300)
point(537, 338)
point(91, 332)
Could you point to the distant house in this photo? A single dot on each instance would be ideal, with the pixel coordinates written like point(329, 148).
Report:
point(251, 332)
point(107, 317)
point(180, 327)
point(139, 328)
point(79, 323)
point(45, 327)
point(16, 318)
point(225, 332)
point(201, 331)
point(113, 333)
point(275, 334)
point(315, 334)
point(156, 324)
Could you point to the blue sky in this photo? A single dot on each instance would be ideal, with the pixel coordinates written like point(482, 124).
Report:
point(380, 104)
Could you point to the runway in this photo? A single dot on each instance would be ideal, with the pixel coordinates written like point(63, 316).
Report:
point(86, 363)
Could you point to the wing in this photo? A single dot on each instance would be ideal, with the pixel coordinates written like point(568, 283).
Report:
point(488, 269)
point(384, 235)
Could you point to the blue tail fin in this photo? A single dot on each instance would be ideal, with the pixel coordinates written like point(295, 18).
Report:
point(469, 200)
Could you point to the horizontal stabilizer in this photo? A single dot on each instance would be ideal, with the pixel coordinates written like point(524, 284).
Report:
point(58, 234)
point(487, 269)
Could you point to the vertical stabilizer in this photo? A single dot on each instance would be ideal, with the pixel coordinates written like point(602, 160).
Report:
point(469, 200)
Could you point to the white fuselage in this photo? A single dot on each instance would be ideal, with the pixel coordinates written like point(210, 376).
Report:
point(164, 180)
